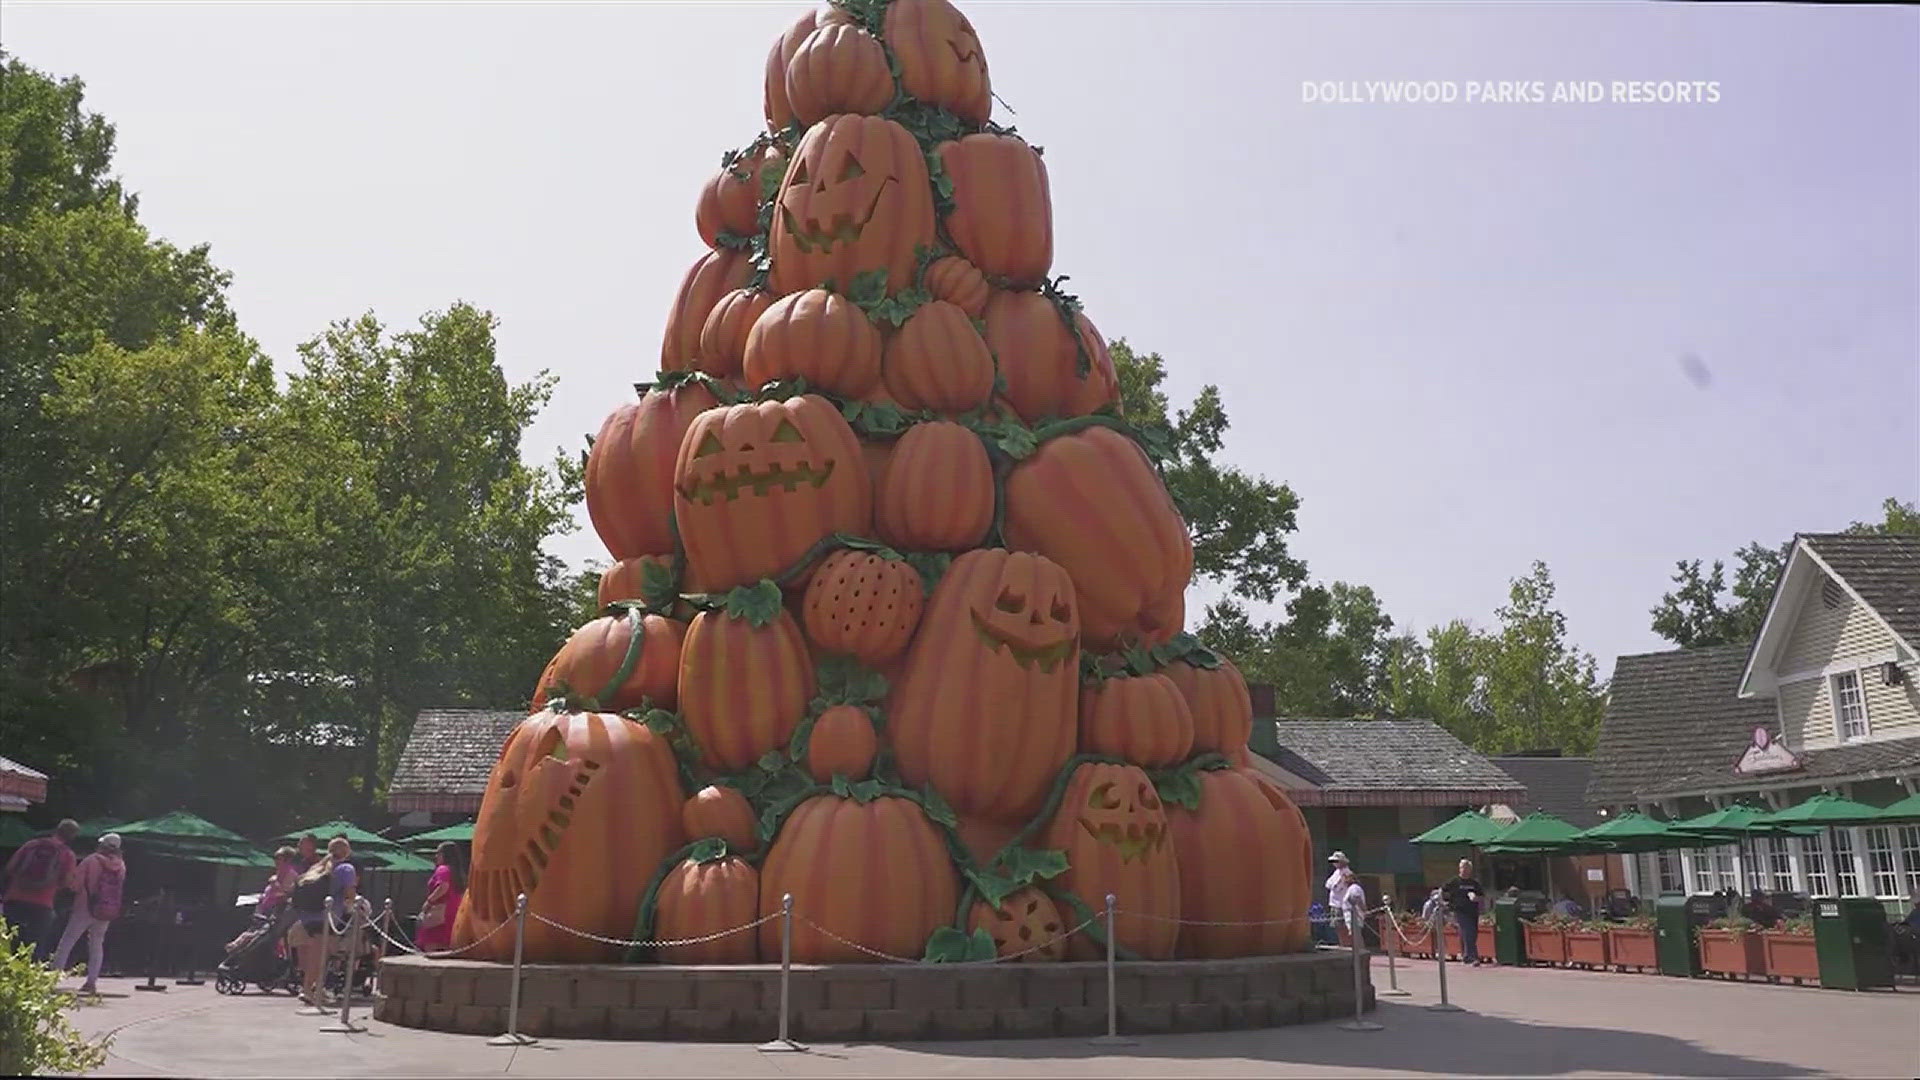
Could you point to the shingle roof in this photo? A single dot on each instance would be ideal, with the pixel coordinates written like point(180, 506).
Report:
point(1674, 718)
point(448, 758)
point(1884, 570)
point(1385, 757)
point(19, 782)
point(1557, 785)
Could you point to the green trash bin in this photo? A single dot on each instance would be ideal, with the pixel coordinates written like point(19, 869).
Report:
point(1508, 947)
point(1675, 917)
point(1850, 937)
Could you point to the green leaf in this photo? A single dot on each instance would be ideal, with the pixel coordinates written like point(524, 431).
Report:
point(937, 809)
point(992, 887)
point(709, 849)
point(1181, 788)
point(758, 604)
point(802, 735)
point(932, 566)
point(1025, 865)
point(843, 681)
point(947, 945)
point(659, 587)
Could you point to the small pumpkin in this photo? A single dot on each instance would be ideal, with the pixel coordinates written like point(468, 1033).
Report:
point(856, 199)
point(862, 605)
point(938, 491)
point(1041, 363)
point(627, 580)
point(757, 485)
point(958, 282)
point(721, 811)
point(1114, 831)
point(1026, 926)
point(723, 340)
point(629, 473)
point(1240, 861)
point(743, 688)
point(730, 199)
point(1222, 709)
point(1002, 216)
point(1092, 502)
point(839, 68)
point(595, 653)
point(697, 899)
point(842, 743)
point(818, 336)
point(779, 112)
point(714, 275)
point(941, 61)
point(1141, 718)
point(938, 361)
point(874, 873)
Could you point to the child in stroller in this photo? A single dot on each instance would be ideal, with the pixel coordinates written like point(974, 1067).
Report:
point(260, 956)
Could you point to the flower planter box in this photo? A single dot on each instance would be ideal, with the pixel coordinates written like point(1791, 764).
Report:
point(1631, 947)
point(1732, 953)
point(1416, 941)
point(1546, 945)
point(1790, 956)
point(1450, 936)
point(1587, 948)
point(1486, 942)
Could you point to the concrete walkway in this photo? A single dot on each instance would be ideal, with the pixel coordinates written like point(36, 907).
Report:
point(1521, 1023)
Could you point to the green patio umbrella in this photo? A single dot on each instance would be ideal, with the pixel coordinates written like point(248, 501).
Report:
point(189, 837)
point(1824, 810)
point(1634, 832)
point(1907, 809)
point(15, 832)
point(1539, 833)
point(460, 832)
point(369, 849)
point(1466, 827)
point(1737, 822)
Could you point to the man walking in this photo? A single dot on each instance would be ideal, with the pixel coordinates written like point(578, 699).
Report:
point(1463, 899)
point(35, 873)
point(97, 887)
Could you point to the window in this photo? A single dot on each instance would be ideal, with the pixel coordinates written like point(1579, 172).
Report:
point(1886, 880)
point(1843, 863)
point(1779, 864)
point(1669, 865)
point(1814, 857)
point(1723, 868)
point(1849, 708)
point(1910, 854)
point(1703, 879)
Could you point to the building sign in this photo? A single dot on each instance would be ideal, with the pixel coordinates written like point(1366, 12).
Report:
point(1766, 755)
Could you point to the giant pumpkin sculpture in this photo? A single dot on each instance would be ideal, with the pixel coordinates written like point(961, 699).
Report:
point(901, 588)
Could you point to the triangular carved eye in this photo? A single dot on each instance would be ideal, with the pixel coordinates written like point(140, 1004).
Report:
point(1061, 612)
point(786, 432)
point(1010, 601)
point(709, 444)
point(797, 175)
point(851, 170)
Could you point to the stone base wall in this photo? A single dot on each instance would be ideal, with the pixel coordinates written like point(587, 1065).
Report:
point(873, 1002)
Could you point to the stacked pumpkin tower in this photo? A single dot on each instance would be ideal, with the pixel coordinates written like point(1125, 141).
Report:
point(895, 625)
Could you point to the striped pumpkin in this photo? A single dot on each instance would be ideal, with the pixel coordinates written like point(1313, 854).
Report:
point(779, 112)
point(937, 494)
point(1140, 718)
point(1220, 882)
point(712, 276)
point(723, 338)
point(593, 654)
point(842, 743)
point(984, 708)
point(839, 68)
point(874, 873)
point(1002, 216)
point(818, 336)
point(960, 283)
point(629, 474)
point(941, 61)
point(938, 361)
point(743, 688)
point(1092, 502)
point(1040, 363)
point(856, 199)
point(720, 811)
point(1222, 710)
point(1114, 831)
point(701, 898)
point(627, 579)
point(578, 813)
point(730, 201)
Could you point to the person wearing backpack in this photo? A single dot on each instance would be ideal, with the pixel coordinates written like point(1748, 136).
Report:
point(98, 884)
point(35, 873)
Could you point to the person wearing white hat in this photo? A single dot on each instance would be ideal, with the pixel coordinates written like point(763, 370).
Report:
point(97, 884)
point(1340, 888)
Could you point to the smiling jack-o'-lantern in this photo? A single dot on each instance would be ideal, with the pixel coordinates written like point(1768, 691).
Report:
point(579, 811)
point(856, 199)
point(984, 708)
point(941, 61)
point(1026, 926)
point(1114, 831)
point(756, 486)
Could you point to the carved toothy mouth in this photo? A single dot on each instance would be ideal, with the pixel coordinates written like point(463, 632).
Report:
point(727, 486)
point(841, 227)
point(1047, 656)
point(494, 889)
point(1133, 843)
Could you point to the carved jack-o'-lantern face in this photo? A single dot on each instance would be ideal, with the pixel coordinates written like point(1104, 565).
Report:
point(541, 783)
point(939, 56)
point(838, 205)
point(1028, 613)
point(1125, 814)
point(856, 199)
point(1026, 926)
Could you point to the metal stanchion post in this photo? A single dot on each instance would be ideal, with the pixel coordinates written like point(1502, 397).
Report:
point(1113, 1036)
point(356, 923)
point(1440, 954)
point(513, 1036)
point(1356, 931)
point(784, 1043)
point(1392, 939)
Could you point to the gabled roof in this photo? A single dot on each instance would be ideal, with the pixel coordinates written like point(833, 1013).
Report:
point(1881, 572)
point(1383, 763)
point(1557, 785)
point(448, 758)
point(1672, 715)
point(19, 782)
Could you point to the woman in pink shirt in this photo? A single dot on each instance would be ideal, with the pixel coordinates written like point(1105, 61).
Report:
point(445, 889)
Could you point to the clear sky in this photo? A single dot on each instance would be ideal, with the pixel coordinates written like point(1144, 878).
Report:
point(1469, 335)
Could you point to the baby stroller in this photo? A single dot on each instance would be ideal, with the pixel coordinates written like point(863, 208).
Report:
point(363, 967)
point(257, 957)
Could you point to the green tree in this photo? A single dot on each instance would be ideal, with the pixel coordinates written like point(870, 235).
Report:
point(1897, 519)
point(1540, 690)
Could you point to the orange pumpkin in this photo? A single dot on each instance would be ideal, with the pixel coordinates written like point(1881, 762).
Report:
point(779, 111)
point(1140, 718)
point(856, 199)
point(1039, 360)
point(1222, 710)
point(816, 335)
point(958, 282)
point(842, 744)
point(723, 340)
point(593, 655)
point(1092, 502)
point(1114, 831)
point(730, 200)
point(984, 708)
point(578, 813)
point(861, 605)
point(629, 474)
point(701, 898)
point(1026, 919)
point(1283, 804)
point(1002, 216)
point(938, 361)
point(874, 873)
point(1240, 861)
point(941, 61)
point(627, 580)
point(743, 688)
point(757, 485)
point(839, 68)
point(720, 811)
point(938, 491)
point(713, 276)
